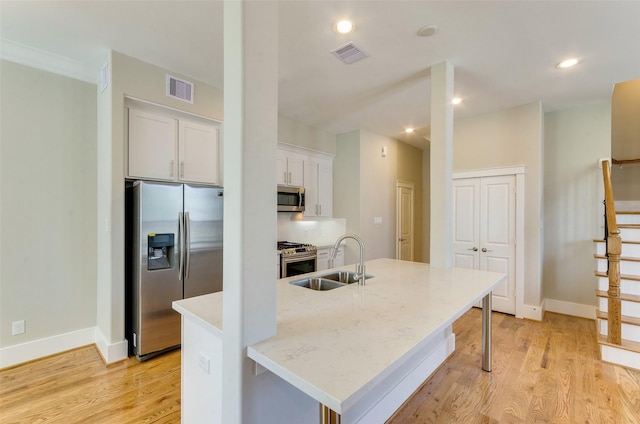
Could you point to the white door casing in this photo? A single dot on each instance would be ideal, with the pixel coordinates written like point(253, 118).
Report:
point(404, 220)
point(485, 231)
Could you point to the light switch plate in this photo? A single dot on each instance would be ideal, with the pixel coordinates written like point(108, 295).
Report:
point(17, 327)
point(377, 220)
point(204, 362)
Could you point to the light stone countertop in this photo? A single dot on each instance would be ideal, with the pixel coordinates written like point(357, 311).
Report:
point(337, 345)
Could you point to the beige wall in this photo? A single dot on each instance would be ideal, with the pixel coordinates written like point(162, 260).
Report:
point(365, 188)
point(134, 78)
point(294, 132)
point(511, 137)
point(574, 141)
point(625, 139)
point(48, 203)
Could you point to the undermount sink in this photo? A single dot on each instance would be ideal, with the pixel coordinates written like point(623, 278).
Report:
point(320, 284)
point(344, 277)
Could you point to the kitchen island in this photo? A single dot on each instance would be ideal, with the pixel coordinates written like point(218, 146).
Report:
point(358, 350)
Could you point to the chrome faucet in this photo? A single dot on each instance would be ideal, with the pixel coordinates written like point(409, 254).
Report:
point(360, 266)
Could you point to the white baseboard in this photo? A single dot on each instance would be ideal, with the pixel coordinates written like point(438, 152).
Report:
point(24, 352)
point(36, 349)
point(570, 308)
point(618, 356)
point(111, 352)
point(531, 312)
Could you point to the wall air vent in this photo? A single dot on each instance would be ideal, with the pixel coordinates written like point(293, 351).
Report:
point(179, 89)
point(350, 53)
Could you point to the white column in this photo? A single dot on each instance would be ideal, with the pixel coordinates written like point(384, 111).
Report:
point(441, 244)
point(250, 136)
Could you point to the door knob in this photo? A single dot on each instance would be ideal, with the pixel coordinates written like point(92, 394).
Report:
point(401, 239)
point(484, 249)
point(475, 249)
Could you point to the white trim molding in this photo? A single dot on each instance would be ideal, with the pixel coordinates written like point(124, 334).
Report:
point(36, 349)
point(570, 308)
point(111, 352)
point(47, 61)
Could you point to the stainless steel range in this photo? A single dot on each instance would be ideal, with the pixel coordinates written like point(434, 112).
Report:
point(297, 258)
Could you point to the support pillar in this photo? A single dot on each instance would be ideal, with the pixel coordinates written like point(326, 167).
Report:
point(441, 162)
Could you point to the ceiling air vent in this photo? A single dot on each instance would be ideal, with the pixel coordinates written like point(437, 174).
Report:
point(179, 89)
point(350, 53)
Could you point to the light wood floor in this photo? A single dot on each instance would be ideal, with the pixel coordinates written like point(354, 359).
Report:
point(545, 372)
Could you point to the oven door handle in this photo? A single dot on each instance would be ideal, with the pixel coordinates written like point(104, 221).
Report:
point(299, 258)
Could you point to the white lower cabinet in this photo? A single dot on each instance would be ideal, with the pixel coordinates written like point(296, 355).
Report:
point(323, 258)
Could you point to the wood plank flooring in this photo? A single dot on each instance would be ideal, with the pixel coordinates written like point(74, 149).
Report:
point(543, 372)
point(77, 387)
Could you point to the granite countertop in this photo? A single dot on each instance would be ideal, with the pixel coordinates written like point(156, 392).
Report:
point(336, 345)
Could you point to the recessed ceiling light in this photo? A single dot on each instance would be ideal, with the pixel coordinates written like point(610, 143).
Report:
point(456, 100)
point(408, 130)
point(345, 27)
point(568, 63)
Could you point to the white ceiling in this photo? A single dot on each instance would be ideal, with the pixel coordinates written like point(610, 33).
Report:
point(503, 52)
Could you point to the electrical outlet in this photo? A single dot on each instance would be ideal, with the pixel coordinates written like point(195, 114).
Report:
point(17, 328)
point(203, 362)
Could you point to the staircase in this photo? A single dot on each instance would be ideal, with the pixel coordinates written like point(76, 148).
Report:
point(627, 352)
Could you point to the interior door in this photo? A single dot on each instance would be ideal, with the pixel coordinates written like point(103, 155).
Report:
point(497, 237)
point(404, 225)
point(484, 231)
point(466, 222)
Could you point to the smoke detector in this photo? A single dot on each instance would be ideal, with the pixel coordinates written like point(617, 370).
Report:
point(350, 53)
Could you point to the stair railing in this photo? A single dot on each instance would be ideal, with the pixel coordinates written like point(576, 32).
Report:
point(614, 250)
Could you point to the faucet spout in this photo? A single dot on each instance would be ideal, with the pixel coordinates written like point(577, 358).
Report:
point(360, 269)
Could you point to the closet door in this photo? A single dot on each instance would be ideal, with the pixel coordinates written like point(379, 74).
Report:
point(484, 231)
point(466, 223)
point(498, 237)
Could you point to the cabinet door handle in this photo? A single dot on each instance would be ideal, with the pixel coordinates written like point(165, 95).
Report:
point(289, 177)
point(320, 213)
point(182, 169)
point(485, 250)
point(171, 169)
point(475, 249)
point(285, 177)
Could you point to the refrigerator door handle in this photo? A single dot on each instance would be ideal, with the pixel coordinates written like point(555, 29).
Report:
point(187, 244)
point(180, 244)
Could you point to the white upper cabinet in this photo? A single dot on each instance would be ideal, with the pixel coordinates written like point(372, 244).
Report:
point(198, 152)
point(153, 140)
point(311, 169)
point(318, 184)
point(290, 168)
point(165, 148)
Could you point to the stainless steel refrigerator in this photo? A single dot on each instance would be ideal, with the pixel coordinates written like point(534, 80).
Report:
point(175, 252)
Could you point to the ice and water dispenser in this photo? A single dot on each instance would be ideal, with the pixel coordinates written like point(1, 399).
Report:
point(160, 251)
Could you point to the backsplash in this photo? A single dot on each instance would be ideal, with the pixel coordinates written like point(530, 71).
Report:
point(321, 233)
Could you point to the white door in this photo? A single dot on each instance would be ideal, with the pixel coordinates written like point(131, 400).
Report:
point(404, 223)
point(484, 232)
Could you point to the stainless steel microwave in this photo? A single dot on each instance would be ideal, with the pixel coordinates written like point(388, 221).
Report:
point(290, 199)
